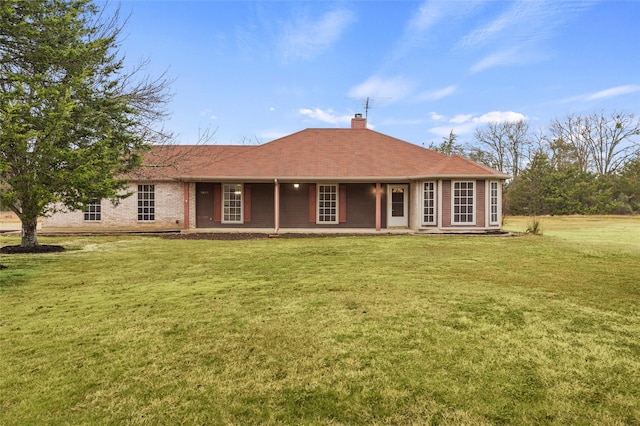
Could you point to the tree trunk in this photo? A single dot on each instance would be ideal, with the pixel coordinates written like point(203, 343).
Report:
point(29, 233)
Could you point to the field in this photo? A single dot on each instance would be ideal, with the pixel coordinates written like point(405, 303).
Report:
point(338, 330)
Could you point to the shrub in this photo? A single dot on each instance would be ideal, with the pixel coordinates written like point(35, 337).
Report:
point(534, 227)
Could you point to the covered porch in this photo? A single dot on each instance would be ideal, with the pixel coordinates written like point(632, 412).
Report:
point(297, 206)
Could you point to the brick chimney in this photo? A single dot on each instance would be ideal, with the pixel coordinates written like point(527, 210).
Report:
point(358, 122)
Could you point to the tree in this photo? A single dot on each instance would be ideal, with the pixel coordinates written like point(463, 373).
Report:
point(574, 191)
point(528, 191)
point(627, 186)
point(448, 145)
point(73, 121)
point(597, 142)
point(506, 144)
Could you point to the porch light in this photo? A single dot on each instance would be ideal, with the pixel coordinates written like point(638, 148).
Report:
point(296, 185)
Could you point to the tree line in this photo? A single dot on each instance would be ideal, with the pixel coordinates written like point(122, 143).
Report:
point(580, 164)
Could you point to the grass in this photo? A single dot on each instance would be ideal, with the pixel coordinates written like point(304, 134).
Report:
point(342, 330)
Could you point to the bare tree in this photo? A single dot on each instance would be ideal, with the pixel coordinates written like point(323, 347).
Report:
point(505, 144)
point(597, 142)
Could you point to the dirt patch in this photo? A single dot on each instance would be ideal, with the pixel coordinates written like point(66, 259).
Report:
point(25, 250)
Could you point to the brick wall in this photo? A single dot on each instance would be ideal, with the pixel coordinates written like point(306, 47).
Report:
point(169, 204)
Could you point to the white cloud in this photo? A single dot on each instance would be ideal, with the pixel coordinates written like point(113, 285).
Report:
point(463, 124)
point(437, 94)
point(517, 35)
point(500, 117)
point(519, 20)
point(395, 88)
point(461, 118)
point(511, 56)
point(427, 14)
point(306, 39)
point(325, 116)
point(612, 92)
point(604, 94)
point(458, 129)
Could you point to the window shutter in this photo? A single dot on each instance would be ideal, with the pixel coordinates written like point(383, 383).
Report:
point(247, 202)
point(312, 203)
point(342, 203)
point(217, 202)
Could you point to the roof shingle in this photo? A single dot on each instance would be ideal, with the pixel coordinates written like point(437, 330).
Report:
point(340, 154)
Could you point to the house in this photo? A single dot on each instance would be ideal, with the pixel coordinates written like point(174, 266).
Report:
point(316, 179)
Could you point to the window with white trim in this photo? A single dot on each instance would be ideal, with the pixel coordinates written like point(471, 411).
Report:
point(429, 203)
point(327, 203)
point(463, 203)
point(93, 212)
point(146, 203)
point(232, 203)
point(493, 203)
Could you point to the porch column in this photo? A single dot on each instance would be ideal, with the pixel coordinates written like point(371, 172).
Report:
point(439, 208)
point(276, 206)
point(378, 207)
point(487, 203)
point(185, 210)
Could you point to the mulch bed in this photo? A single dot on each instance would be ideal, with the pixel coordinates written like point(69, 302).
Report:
point(44, 248)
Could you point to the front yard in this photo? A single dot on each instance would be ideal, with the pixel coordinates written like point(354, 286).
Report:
point(339, 330)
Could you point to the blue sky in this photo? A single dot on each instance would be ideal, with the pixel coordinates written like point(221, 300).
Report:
point(254, 71)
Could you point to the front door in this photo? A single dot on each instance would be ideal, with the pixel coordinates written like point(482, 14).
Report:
point(398, 206)
point(204, 205)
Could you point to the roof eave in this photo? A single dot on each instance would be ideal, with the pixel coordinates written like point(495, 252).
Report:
point(462, 176)
point(293, 179)
point(304, 179)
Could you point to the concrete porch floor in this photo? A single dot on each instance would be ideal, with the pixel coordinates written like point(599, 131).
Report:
point(338, 231)
point(283, 231)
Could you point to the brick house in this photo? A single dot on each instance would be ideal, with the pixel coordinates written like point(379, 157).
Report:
point(315, 179)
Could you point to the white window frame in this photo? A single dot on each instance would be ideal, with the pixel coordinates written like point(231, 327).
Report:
point(232, 189)
point(334, 218)
point(465, 205)
point(93, 212)
point(433, 198)
point(495, 201)
point(146, 201)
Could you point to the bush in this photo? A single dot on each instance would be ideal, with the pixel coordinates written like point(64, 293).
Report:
point(534, 227)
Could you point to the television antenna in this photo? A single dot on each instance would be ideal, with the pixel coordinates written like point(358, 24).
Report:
point(368, 103)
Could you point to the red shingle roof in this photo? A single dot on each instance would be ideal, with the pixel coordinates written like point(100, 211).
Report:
point(313, 154)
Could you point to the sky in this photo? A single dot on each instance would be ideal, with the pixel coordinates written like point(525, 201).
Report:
point(252, 71)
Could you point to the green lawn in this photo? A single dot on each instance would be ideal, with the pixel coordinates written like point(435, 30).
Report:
point(339, 330)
